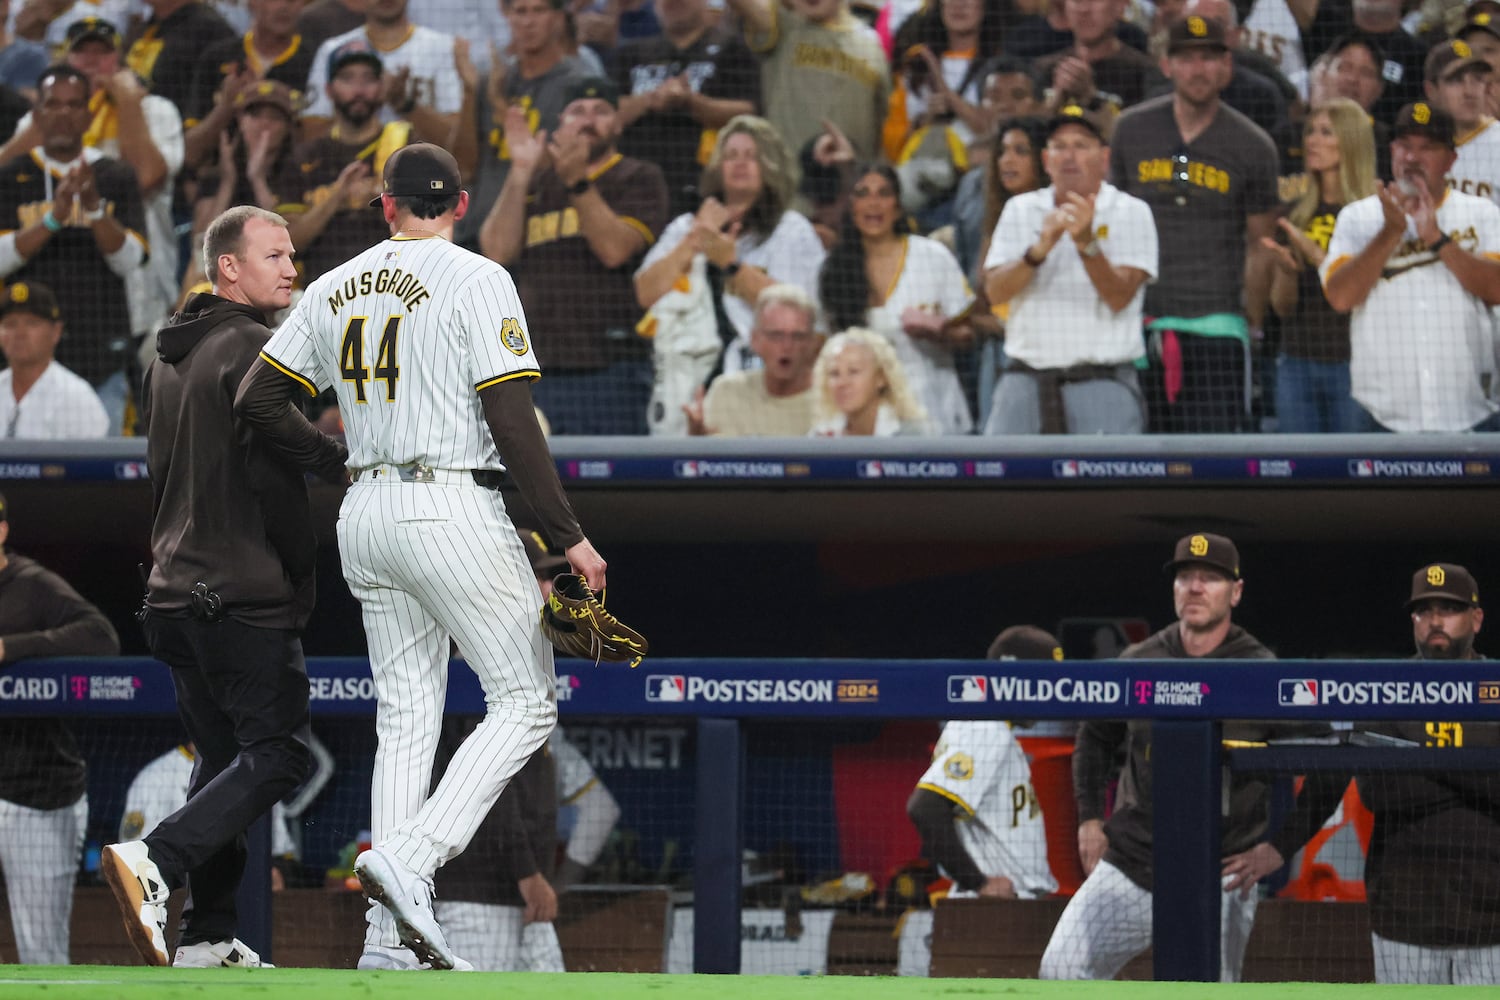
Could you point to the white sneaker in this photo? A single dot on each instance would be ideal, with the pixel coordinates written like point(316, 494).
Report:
point(234, 954)
point(141, 893)
point(375, 959)
point(409, 898)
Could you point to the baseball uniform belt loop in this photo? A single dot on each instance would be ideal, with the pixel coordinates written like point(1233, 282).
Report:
point(490, 479)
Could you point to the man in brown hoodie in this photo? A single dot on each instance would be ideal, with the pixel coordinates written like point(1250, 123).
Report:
point(229, 592)
point(1108, 922)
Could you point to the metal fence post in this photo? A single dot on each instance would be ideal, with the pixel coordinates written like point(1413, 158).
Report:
point(717, 852)
point(1186, 790)
point(253, 899)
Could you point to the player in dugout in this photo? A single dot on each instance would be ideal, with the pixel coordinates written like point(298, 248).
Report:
point(1432, 875)
point(1109, 921)
point(976, 809)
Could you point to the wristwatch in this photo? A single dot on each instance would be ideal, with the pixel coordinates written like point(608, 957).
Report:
point(1437, 245)
point(578, 188)
point(1091, 248)
point(92, 216)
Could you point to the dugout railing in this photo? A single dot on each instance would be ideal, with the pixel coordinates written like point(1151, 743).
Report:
point(1188, 702)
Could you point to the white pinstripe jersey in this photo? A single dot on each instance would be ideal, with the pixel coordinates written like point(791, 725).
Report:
point(407, 333)
point(982, 770)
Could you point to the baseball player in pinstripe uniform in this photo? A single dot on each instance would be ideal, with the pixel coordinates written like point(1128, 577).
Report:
point(427, 347)
point(977, 811)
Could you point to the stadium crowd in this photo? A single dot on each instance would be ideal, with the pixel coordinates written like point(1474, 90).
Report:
point(1059, 216)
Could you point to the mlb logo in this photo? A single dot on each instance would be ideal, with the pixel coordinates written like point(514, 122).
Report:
point(870, 470)
point(666, 687)
point(687, 470)
point(1363, 468)
point(969, 687)
point(1303, 691)
point(1066, 468)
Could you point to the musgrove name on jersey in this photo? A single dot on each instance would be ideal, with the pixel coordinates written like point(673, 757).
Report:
point(406, 287)
point(706, 689)
point(1396, 692)
point(1055, 689)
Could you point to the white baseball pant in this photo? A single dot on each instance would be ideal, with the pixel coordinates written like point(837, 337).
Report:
point(1397, 962)
point(1108, 922)
point(494, 939)
point(914, 946)
point(39, 853)
point(430, 561)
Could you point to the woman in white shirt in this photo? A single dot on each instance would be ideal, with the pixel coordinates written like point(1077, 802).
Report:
point(746, 229)
point(908, 289)
point(862, 390)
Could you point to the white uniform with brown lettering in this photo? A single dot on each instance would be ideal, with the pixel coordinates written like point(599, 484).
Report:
point(1477, 169)
point(982, 770)
point(407, 333)
point(1271, 29)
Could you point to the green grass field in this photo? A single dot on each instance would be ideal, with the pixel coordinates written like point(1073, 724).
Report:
point(95, 982)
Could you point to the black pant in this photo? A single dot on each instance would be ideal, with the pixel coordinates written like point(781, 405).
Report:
point(1212, 398)
point(242, 696)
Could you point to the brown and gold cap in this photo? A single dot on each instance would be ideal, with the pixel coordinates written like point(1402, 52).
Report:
point(1204, 549)
point(1445, 582)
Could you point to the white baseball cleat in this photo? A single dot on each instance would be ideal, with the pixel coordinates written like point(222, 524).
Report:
point(409, 898)
point(374, 959)
point(234, 954)
point(141, 893)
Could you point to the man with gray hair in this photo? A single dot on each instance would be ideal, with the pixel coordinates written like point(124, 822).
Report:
point(775, 400)
point(230, 588)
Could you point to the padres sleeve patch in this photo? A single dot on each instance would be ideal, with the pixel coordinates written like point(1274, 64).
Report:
point(959, 767)
point(512, 336)
point(133, 825)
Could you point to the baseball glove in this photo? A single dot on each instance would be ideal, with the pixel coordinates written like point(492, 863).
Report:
point(576, 623)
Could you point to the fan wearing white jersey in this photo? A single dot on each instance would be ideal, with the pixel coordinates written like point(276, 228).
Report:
point(1458, 81)
point(428, 350)
point(421, 82)
point(1274, 29)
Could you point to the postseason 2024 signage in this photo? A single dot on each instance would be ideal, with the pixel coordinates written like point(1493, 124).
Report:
point(854, 689)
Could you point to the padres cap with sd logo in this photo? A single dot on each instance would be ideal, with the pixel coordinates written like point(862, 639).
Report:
point(1203, 549)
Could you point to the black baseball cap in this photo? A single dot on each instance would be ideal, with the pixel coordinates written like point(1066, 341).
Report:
point(1025, 642)
point(421, 170)
point(597, 87)
point(1196, 32)
point(1204, 549)
point(32, 297)
point(1422, 118)
point(354, 50)
point(1073, 114)
point(1444, 582)
point(544, 562)
point(90, 29)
